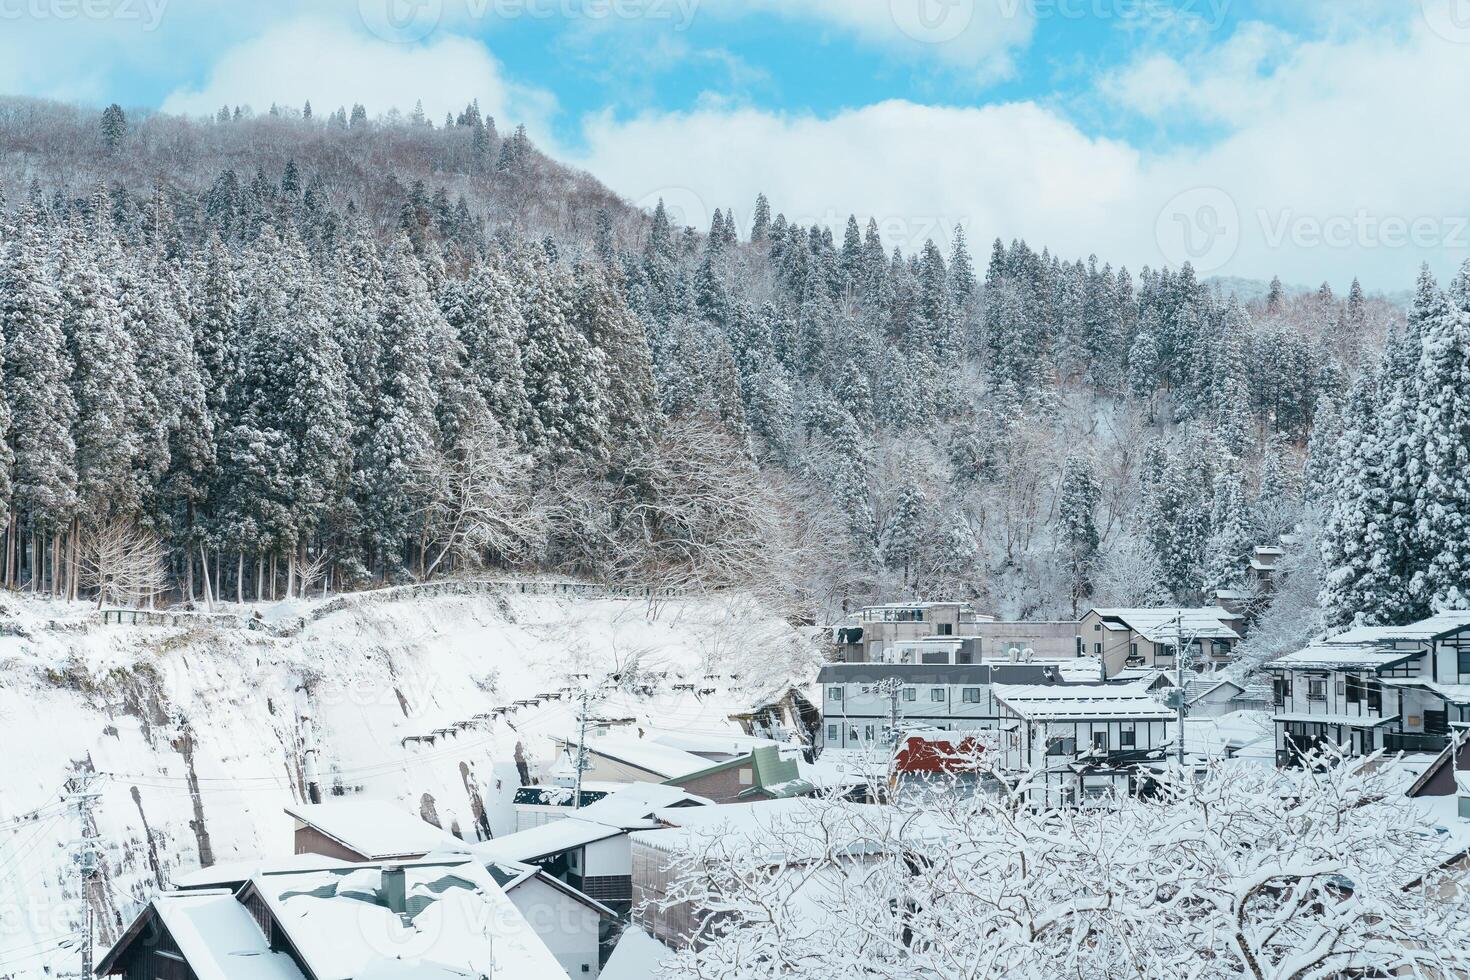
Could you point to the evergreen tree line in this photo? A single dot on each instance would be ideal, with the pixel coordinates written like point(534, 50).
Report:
point(277, 383)
point(1392, 471)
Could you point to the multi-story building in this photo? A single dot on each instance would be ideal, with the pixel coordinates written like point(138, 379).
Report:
point(872, 634)
point(1081, 741)
point(946, 696)
point(1124, 638)
point(1397, 688)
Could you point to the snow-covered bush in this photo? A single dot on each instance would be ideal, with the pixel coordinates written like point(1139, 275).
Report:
point(1248, 872)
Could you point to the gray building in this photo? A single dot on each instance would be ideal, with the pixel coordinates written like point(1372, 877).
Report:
point(948, 697)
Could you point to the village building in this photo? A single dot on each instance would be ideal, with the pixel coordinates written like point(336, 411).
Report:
point(945, 695)
point(872, 634)
point(1396, 688)
point(588, 849)
point(761, 775)
point(1123, 638)
point(1085, 741)
point(429, 920)
point(366, 830)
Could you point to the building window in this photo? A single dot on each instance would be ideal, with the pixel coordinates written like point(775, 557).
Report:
point(936, 694)
point(1464, 662)
point(946, 629)
point(1097, 649)
point(941, 657)
point(1353, 691)
point(911, 694)
point(970, 695)
point(1100, 741)
point(1316, 689)
point(834, 694)
point(746, 776)
point(1097, 627)
point(1061, 745)
point(832, 735)
point(1127, 738)
point(1133, 649)
point(867, 733)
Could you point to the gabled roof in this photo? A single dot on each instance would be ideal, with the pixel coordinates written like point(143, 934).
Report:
point(456, 922)
point(771, 775)
point(378, 831)
point(663, 761)
point(233, 874)
point(1157, 625)
point(510, 875)
point(1433, 628)
point(1081, 702)
point(1201, 688)
point(1343, 656)
point(1455, 758)
point(634, 804)
point(216, 935)
point(534, 843)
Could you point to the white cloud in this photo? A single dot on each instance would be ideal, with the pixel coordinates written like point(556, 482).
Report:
point(1343, 158)
point(977, 35)
point(331, 66)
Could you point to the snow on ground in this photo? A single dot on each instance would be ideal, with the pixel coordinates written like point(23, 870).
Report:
point(426, 703)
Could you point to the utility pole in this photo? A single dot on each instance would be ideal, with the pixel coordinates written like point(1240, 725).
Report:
point(581, 762)
point(1179, 661)
point(309, 767)
point(79, 798)
point(891, 687)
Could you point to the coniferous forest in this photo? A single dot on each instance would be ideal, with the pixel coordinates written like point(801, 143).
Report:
point(265, 354)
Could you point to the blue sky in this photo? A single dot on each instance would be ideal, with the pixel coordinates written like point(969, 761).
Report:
point(1317, 139)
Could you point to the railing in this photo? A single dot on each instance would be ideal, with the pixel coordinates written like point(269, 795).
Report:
point(1406, 742)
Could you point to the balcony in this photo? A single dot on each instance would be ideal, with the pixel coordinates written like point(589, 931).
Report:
point(1413, 742)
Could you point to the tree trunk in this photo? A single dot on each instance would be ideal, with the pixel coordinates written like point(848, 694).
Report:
point(204, 567)
point(259, 577)
point(291, 574)
point(76, 559)
point(240, 578)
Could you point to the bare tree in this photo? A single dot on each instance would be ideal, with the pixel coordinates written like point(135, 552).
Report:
point(480, 504)
point(123, 562)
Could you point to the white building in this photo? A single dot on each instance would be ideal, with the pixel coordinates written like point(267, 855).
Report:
point(947, 696)
point(1124, 638)
point(1084, 741)
point(1398, 688)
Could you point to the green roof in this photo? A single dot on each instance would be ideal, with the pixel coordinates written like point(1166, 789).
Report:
point(773, 776)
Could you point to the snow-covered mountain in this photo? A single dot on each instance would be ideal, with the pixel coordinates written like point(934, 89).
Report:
point(436, 703)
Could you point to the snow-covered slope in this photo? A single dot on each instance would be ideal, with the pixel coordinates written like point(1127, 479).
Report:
point(434, 703)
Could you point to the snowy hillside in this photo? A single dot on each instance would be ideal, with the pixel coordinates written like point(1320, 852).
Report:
point(196, 731)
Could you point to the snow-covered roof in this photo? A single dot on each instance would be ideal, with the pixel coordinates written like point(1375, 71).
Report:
point(555, 837)
point(1342, 656)
point(633, 805)
point(637, 956)
point(1201, 687)
point(220, 939)
point(1432, 628)
point(762, 823)
point(1455, 693)
point(1077, 702)
point(376, 830)
point(664, 761)
point(1157, 625)
point(1350, 721)
point(238, 872)
point(457, 922)
point(709, 744)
